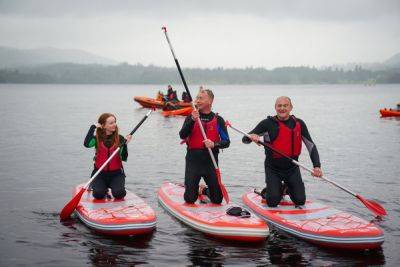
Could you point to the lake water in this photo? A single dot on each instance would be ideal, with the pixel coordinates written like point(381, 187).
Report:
point(42, 158)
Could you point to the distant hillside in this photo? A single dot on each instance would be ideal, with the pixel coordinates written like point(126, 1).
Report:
point(14, 58)
point(394, 61)
point(50, 65)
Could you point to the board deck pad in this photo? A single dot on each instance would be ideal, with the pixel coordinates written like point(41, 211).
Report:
point(318, 223)
point(129, 216)
point(210, 218)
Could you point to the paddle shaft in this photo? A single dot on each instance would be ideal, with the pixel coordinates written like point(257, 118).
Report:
point(203, 133)
point(217, 171)
point(116, 151)
point(294, 161)
point(73, 203)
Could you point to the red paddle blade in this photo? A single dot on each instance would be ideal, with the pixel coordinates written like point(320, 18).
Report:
point(373, 206)
point(71, 205)
point(223, 189)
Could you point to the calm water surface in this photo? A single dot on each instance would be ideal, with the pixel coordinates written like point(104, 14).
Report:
point(42, 158)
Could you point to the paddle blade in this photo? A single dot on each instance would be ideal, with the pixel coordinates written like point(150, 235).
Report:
point(71, 205)
point(373, 206)
point(223, 189)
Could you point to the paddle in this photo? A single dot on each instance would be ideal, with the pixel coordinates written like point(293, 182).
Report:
point(73, 203)
point(217, 171)
point(373, 206)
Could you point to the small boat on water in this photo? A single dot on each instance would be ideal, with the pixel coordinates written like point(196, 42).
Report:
point(178, 112)
point(148, 102)
point(389, 112)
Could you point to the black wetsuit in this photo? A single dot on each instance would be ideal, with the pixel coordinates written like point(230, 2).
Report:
point(199, 163)
point(282, 169)
point(107, 179)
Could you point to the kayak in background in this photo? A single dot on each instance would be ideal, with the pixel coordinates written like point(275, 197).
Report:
point(178, 112)
point(318, 223)
point(127, 217)
point(148, 102)
point(211, 219)
point(389, 112)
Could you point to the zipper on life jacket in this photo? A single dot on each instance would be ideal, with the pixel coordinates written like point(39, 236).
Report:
point(108, 153)
point(292, 153)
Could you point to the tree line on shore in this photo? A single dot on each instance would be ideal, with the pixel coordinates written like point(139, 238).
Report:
point(71, 73)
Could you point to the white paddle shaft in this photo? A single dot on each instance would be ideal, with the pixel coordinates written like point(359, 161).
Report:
point(300, 165)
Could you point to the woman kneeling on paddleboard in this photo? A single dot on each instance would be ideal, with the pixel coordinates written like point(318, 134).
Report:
point(106, 141)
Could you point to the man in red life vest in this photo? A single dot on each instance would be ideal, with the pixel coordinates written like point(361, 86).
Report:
point(198, 160)
point(285, 133)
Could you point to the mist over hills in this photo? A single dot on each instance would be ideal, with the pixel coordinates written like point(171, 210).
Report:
point(52, 65)
point(14, 58)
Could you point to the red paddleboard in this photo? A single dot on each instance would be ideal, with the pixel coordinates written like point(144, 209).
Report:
point(318, 223)
point(126, 217)
point(209, 218)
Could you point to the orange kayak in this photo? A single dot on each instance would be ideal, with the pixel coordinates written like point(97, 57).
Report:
point(389, 113)
point(178, 112)
point(211, 219)
point(127, 217)
point(148, 102)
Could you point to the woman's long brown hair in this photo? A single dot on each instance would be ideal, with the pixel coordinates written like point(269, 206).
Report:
point(101, 133)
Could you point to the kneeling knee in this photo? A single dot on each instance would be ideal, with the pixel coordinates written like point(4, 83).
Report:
point(99, 194)
point(273, 201)
point(299, 201)
point(190, 198)
point(119, 194)
point(216, 200)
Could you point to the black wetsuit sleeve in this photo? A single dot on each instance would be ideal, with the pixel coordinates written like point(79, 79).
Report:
point(260, 129)
point(186, 127)
point(311, 147)
point(89, 136)
point(223, 133)
point(124, 149)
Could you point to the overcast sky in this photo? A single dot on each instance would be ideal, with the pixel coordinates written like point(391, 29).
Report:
point(206, 33)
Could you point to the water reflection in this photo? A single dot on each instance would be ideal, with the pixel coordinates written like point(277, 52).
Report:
point(117, 251)
point(209, 251)
point(361, 153)
point(106, 250)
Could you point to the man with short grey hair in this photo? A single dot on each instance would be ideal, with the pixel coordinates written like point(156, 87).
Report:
point(198, 160)
point(285, 133)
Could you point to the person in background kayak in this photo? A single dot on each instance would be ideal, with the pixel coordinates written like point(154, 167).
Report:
point(285, 133)
point(106, 141)
point(160, 96)
point(172, 95)
point(198, 160)
point(185, 97)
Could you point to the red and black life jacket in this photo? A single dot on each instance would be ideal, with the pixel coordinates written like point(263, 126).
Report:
point(195, 139)
point(103, 153)
point(288, 141)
